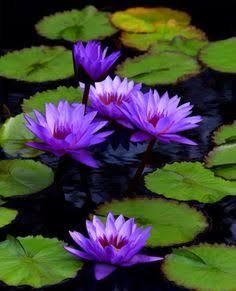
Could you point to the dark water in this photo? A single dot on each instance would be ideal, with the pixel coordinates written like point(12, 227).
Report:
point(56, 210)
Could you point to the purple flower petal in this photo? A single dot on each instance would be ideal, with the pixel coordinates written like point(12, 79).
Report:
point(79, 254)
point(101, 271)
point(84, 157)
point(137, 259)
point(140, 136)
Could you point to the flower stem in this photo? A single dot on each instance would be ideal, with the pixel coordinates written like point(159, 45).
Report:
point(141, 166)
point(86, 93)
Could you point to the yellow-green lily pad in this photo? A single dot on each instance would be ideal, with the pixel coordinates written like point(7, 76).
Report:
point(7, 216)
point(142, 41)
point(141, 19)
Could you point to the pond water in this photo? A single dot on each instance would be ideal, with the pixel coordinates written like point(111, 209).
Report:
point(65, 205)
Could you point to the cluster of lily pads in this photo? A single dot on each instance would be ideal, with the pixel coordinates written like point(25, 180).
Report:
point(39, 261)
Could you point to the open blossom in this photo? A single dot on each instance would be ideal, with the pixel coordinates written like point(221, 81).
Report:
point(159, 117)
point(115, 244)
point(93, 60)
point(107, 97)
point(67, 130)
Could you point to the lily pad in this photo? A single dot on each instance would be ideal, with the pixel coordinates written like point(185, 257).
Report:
point(225, 134)
point(222, 159)
point(220, 55)
point(180, 44)
point(189, 181)
point(39, 100)
point(74, 25)
point(160, 68)
point(203, 267)
point(13, 137)
point(172, 223)
point(21, 177)
point(36, 262)
point(142, 41)
point(7, 216)
point(141, 19)
point(37, 64)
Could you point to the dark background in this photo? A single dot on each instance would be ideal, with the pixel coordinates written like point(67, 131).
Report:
point(17, 17)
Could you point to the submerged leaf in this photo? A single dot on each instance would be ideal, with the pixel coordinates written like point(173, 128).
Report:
point(39, 100)
point(37, 64)
point(220, 55)
point(164, 32)
point(189, 181)
point(13, 138)
point(214, 270)
point(172, 223)
point(141, 19)
point(36, 262)
point(86, 24)
point(160, 68)
point(21, 177)
point(7, 215)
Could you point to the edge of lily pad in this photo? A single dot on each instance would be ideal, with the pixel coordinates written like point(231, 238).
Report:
point(16, 214)
point(166, 200)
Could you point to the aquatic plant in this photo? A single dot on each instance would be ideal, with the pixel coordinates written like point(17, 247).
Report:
point(67, 130)
point(115, 244)
point(159, 117)
point(108, 96)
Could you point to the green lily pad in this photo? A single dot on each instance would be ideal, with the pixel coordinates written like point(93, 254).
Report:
point(180, 44)
point(225, 134)
point(7, 216)
point(189, 181)
point(222, 159)
point(172, 223)
point(164, 32)
point(74, 25)
point(21, 177)
point(220, 55)
point(141, 19)
point(202, 267)
point(36, 262)
point(39, 100)
point(160, 68)
point(13, 137)
point(37, 64)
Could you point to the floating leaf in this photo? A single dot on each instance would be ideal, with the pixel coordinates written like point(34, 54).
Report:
point(161, 68)
point(172, 222)
point(7, 215)
point(140, 19)
point(180, 44)
point(36, 261)
point(142, 41)
point(215, 270)
point(37, 64)
point(189, 181)
point(13, 137)
point(21, 177)
point(220, 55)
point(38, 100)
point(222, 159)
point(74, 25)
point(225, 134)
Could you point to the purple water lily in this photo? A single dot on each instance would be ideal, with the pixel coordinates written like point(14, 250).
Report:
point(93, 60)
point(67, 130)
point(107, 97)
point(115, 244)
point(159, 117)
